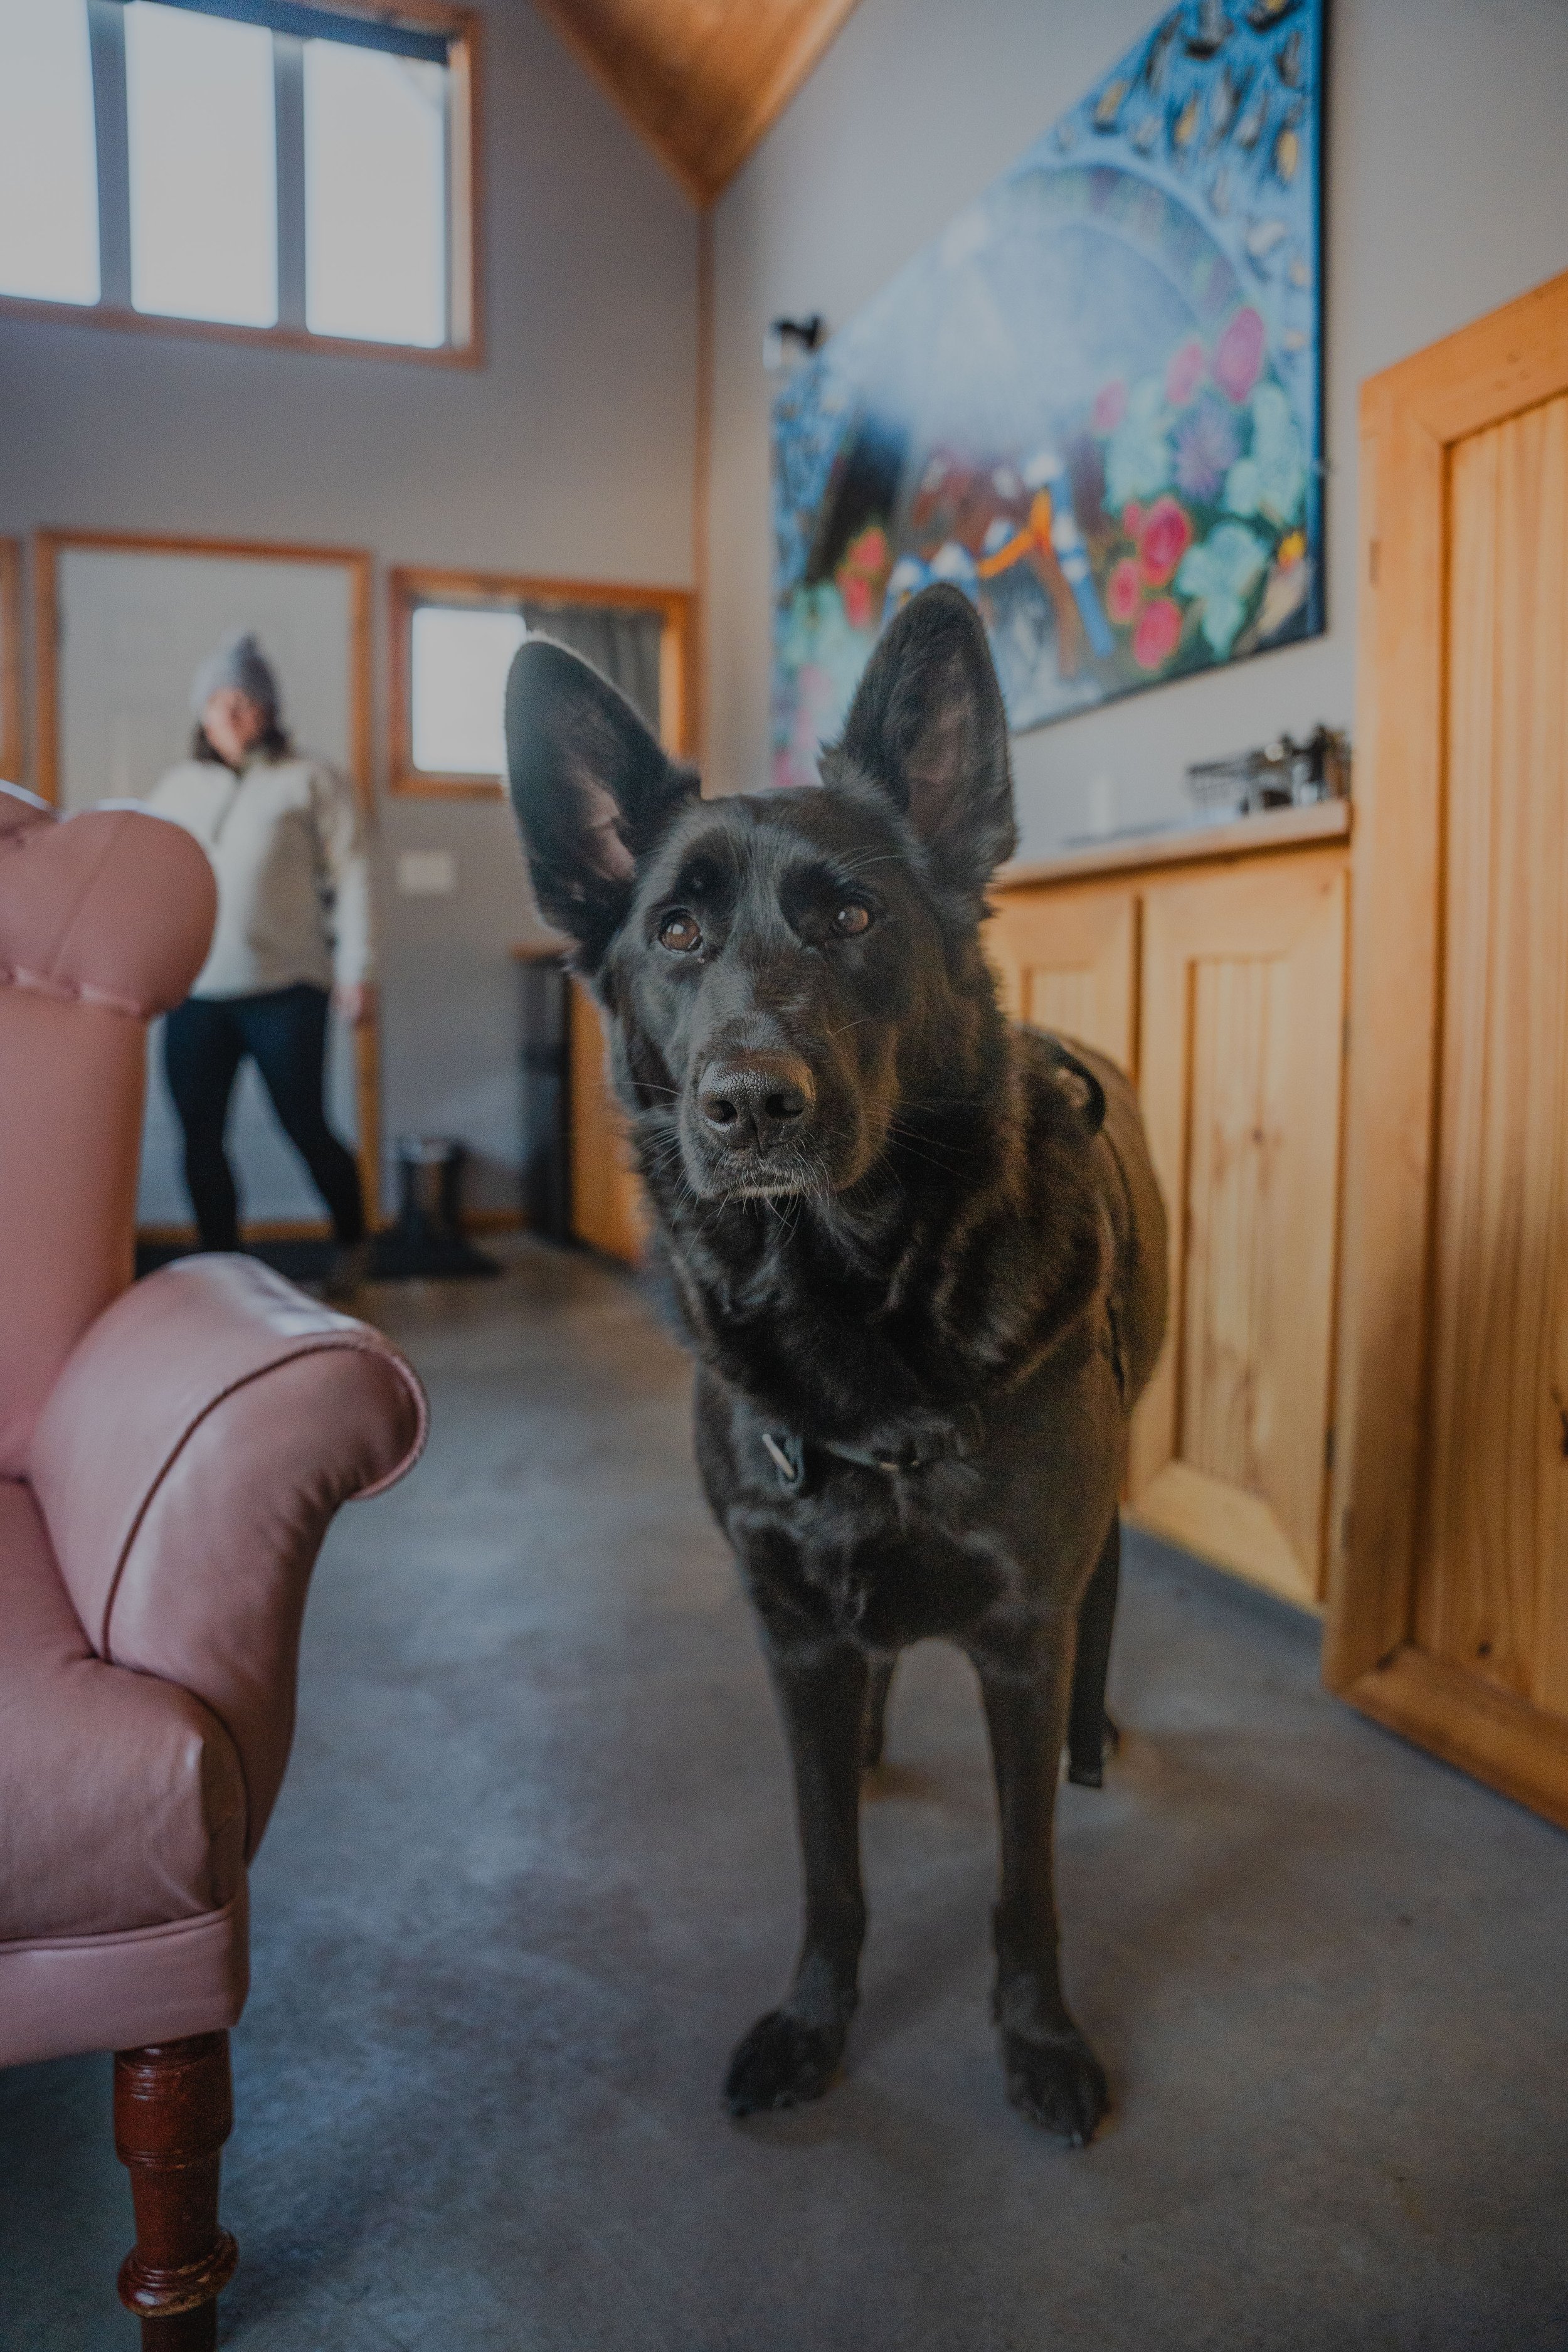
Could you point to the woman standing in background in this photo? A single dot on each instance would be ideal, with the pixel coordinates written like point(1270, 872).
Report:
point(283, 832)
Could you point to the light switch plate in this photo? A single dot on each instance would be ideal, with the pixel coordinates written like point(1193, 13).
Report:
point(426, 873)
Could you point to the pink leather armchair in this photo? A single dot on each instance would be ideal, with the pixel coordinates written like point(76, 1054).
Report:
point(170, 1455)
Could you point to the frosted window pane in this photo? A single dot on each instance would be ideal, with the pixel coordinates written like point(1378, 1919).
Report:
point(459, 663)
point(203, 196)
point(48, 163)
point(375, 195)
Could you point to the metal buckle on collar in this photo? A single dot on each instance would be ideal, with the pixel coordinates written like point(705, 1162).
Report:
point(787, 1455)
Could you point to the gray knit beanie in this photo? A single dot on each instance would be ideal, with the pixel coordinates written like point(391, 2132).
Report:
point(238, 661)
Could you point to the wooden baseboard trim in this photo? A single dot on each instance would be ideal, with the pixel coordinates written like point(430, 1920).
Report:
point(1225, 1526)
point(308, 1229)
point(264, 1229)
point(1502, 1740)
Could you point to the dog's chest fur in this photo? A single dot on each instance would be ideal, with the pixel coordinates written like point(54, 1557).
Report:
point(999, 1306)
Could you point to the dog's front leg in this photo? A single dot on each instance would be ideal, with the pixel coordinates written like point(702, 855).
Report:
point(793, 2053)
point(1052, 2074)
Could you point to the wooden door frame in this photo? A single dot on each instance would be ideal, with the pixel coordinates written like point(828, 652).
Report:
point(1411, 417)
point(47, 548)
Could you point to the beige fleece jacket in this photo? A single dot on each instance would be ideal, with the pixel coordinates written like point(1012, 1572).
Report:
point(293, 884)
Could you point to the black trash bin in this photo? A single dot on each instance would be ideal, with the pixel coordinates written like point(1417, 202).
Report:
point(430, 1186)
point(546, 1094)
point(427, 1239)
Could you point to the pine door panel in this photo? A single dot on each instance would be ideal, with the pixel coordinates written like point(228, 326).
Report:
point(1068, 961)
point(1243, 1007)
point(1492, 1581)
point(1448, 1576)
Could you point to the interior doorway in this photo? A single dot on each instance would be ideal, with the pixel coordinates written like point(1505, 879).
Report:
point(123, 623)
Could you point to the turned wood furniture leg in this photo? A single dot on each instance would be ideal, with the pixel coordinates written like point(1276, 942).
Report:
point(174, 2109)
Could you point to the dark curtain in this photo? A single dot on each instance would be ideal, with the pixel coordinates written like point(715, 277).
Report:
point(622, 645)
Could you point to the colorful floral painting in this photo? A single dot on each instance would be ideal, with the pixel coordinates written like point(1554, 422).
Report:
point(1094, 402)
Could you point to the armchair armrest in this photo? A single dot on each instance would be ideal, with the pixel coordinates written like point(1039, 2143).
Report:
point(187, 1463)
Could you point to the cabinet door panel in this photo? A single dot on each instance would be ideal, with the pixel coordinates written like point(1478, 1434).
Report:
point(1242, 990)
point(1067, 960)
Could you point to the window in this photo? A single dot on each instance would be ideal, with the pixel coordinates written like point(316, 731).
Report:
point(299, 173)
point(453, 637)
point(204, 184)
point(375, 259)
point(48, 165)
point(458, 665)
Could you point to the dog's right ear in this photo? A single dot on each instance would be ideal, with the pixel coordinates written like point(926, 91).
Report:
point(592, 789)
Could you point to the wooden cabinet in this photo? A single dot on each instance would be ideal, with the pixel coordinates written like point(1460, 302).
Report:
point(1243, 1016)
point(1068, 960)
point(607, 1210)
point(1448, 1599)
point(1212, 966)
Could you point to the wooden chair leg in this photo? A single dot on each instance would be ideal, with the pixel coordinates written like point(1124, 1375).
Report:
point(174, 2109)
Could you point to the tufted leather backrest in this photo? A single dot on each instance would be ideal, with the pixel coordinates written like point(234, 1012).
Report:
point(105, 919)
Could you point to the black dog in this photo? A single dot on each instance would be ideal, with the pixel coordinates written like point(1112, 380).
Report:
point(919, 1253)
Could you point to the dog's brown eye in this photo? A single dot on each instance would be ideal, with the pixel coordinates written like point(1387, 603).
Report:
point(680, 932)
point(851, 920)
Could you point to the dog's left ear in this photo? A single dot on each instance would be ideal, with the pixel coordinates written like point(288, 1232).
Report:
point(928, 725)
point(592, 789)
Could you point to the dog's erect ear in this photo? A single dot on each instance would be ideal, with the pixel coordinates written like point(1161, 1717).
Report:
point(592, 789)
point(927, 724)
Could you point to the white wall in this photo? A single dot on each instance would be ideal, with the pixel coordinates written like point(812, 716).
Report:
point(1446, 193)
point(570, 452)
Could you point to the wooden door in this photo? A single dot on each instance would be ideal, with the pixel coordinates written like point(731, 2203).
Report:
point(607, 1208)
point(1450, 1615)
point(1067, 958)
point(1243, 1008)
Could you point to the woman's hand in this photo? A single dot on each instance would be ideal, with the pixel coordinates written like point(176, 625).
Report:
point(356, 999)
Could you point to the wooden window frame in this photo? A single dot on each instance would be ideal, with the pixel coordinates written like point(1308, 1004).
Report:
point(47, 548)
point(12, 752)
point(409, 587)
point(463, 29)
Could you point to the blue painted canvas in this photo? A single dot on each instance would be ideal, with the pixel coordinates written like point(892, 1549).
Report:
point(1094, 402)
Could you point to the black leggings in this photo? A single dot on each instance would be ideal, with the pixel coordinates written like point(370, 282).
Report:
point(204, 1042)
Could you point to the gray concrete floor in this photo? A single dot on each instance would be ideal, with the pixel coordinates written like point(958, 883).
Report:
point(532, 1871)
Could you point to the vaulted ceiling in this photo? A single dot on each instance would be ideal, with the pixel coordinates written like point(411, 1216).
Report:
point(701, 79)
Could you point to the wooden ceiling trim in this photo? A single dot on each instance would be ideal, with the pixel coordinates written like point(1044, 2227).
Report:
point(616, 69)
point(701, 80)
point(815, 28)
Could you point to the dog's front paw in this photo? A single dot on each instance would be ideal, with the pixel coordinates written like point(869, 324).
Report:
point(1058, 2081)
point(782, 2063)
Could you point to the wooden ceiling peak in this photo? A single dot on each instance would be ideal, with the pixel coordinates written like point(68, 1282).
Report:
point(701, 79)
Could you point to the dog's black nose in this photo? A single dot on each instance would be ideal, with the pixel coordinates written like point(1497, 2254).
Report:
point(748, 1103)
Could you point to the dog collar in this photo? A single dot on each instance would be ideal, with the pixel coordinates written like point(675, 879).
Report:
point(791, 1461)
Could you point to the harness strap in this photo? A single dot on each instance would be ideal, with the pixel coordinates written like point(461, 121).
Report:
point(1094, 1109)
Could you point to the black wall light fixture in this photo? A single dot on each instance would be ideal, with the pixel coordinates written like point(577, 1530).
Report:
point(787, 342)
